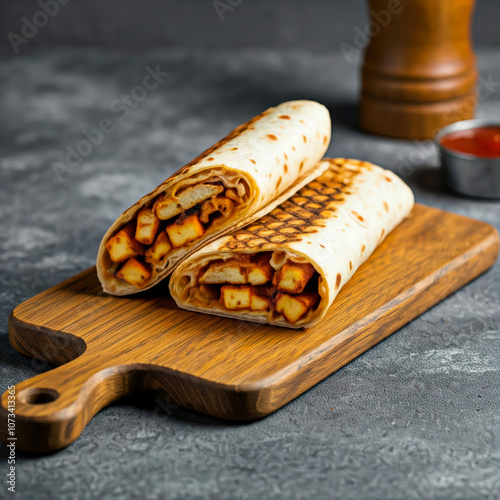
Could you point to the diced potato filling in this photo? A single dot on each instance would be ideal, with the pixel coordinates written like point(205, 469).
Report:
point(122, 245)
point(134, 272)
point(147, 226)
point(184, 231)
point(293, 277)
point(293, 307)
point(248, 284)
point(157, 253)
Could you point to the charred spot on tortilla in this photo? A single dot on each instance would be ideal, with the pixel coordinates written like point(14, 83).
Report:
point(253, 161)
point(359, 217)
point(319, 223)
point(338, 281)
point(272, 137)
point(284, 117)
point(285, 168)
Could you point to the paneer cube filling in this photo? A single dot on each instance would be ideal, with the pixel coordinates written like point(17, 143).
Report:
point(293, 307)
point(122, 246)
point(249, 282)
point(183, 231)
point(293, 277)
point(134, 272)
point(166, 224)
point(147, 226)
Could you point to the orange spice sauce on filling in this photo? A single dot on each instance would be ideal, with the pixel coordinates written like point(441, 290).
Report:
point(482, 141)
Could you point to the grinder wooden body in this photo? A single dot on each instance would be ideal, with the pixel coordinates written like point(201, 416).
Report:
point(419, 70)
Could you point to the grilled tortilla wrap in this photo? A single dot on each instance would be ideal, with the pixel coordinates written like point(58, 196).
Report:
point(239, 179)
point(287, 268)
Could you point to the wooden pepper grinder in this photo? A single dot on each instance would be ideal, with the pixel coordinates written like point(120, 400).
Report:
point(419, 72)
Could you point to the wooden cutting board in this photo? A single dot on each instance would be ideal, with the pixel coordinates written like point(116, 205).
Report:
point(109, 347)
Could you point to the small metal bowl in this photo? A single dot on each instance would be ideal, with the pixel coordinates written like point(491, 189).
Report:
point(465, 173)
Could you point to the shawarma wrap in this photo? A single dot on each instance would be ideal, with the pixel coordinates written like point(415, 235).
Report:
point(287, 267)
point(239, 179)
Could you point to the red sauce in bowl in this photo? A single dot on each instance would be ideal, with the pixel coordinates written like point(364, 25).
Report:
point(481, 141)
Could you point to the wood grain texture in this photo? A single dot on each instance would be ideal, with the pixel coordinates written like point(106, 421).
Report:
point(113, 346)
point(419, 70)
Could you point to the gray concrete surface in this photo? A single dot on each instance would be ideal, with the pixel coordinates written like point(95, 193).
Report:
point(313, 24)
point(415, 417)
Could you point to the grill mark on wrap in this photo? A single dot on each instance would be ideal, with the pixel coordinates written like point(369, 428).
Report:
point(288, 222)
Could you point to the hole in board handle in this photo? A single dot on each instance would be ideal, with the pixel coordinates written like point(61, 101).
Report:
point(38, 396)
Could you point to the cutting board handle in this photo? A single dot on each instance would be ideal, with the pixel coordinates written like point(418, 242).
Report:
point(53, 408)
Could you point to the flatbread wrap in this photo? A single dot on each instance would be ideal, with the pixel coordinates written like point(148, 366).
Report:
point(287, 267)
point(236, 181)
